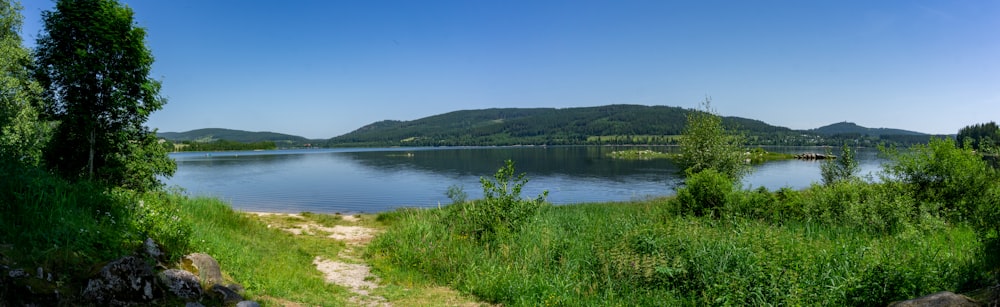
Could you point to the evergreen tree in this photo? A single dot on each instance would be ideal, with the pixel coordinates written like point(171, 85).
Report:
point(985, 137)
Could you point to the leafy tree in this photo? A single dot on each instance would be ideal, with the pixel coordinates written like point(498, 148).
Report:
point(94, 66)
point(840, 169)
point(21, 133)
point(706, 144)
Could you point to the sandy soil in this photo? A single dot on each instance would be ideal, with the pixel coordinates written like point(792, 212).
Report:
point(357, 278)
point(349, 271)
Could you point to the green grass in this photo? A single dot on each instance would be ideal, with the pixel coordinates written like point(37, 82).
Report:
point(269, 262)
point(759, 155)
point(639, 253)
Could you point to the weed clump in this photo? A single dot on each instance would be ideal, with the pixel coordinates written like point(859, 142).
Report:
point(501, 210)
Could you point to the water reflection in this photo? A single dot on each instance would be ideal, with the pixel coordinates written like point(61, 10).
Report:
point(369, 180)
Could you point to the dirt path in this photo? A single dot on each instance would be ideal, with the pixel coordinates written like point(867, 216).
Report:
point(348, 268)
point(349, 271)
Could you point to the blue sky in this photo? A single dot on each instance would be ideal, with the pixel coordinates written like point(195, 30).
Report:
point(323, 68)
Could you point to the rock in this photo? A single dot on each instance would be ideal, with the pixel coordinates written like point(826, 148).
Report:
point(183, 284)
point(226, 295)
point(18, 273)
point(943, 298)
point(989, 296)
point(236, 287)
point(20, 288)
point(814, 156)
point(126, 281)
point(153, 250)
point(205, 267)
point(247, 304)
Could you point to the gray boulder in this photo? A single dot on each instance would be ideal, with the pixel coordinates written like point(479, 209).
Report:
point(224, 294)
point(247, 304)
point(939, 299)
point(205, 267)
point(123, 282)
point(183, 284)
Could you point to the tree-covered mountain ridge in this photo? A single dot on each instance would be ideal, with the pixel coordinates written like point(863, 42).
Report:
point(852, 128)
point(215, 134)
point(610, 124)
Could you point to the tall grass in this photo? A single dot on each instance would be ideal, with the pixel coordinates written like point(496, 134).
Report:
point(69, 227)
point(638, 254)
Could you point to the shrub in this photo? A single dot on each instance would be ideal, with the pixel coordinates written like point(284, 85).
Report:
point(706, 144)
point(704, 193)
point(940, 172)
point(501, 210)
point(759, 204)
point(840, 169)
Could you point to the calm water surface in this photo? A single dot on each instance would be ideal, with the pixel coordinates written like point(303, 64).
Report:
point(372, 180)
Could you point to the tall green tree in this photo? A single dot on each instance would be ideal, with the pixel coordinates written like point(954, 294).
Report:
point(706, 144)
point(94, 66)
point(21, 133)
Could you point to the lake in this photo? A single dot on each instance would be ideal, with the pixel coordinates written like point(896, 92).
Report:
point(380, 179)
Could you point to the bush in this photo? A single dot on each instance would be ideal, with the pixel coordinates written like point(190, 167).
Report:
point(501, 210)
point(840, 169)
point(704, 193)
point(942, 173)
point(706, 144)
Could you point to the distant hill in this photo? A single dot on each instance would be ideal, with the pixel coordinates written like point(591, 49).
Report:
point(214, 134)
point(538, 126)
point(852, 128)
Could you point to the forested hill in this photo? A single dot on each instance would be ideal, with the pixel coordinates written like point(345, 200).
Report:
point(215, 134)
point(852, 128)
point(613, 124)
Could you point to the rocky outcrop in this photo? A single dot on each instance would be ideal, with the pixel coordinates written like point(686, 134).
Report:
point(123, 282)
point(183, 284)
point(939, 299)
point(142, 279)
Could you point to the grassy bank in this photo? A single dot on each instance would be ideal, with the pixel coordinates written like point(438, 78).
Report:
point(641, 254)
point(274, 266)
point(928, 225)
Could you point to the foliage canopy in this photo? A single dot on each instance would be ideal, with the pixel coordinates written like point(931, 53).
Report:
point(707, 145)
point(21, 134)
point(94, 66)
point(984, 137)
